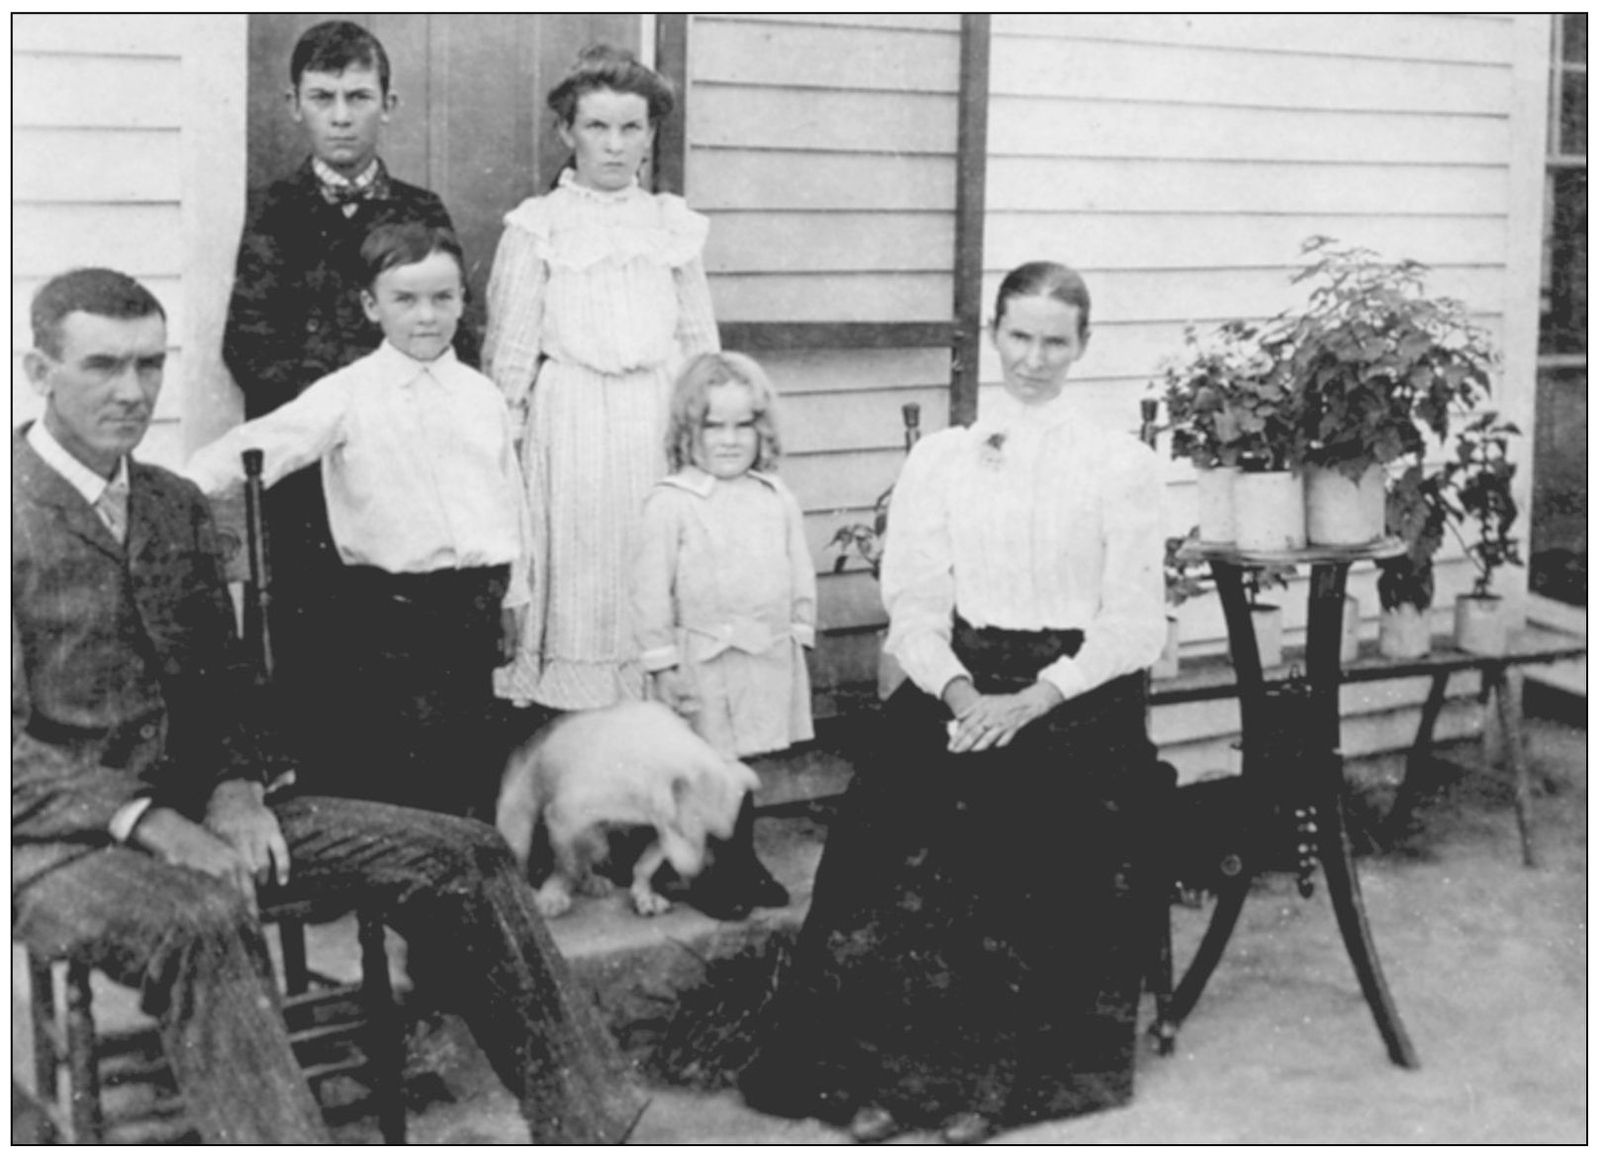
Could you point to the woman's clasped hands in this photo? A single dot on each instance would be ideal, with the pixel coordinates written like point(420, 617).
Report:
point(991, 721)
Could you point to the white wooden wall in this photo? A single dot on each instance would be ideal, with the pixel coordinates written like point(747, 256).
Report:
point(128, 150)
point(1179, 161)
point(823, 149)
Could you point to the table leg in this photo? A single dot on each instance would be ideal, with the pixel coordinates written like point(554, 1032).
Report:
point(1414, 786)
point(1326, 771)
point(1229, 903)
point(1345, 890)
point(1508, 697)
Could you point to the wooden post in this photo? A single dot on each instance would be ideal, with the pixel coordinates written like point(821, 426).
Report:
point(970, 210)
point(669, 147)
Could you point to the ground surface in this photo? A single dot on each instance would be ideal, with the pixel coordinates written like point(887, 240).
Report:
point(1485, 959)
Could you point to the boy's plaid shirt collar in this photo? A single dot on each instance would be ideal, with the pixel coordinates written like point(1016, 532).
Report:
point(371, 184)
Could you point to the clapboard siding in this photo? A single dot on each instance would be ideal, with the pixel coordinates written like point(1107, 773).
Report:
point(754, 117)
point(1405, 37)
point(1097, 184)
point(97, 165)
point(1058, 127)
point(752, 181)
point(861, 297)
point(138, 93)
point(1136, 73)
point(127, 151)
point(817, 55)
point(1194, 239)
point(769, 241)
point(137, 239)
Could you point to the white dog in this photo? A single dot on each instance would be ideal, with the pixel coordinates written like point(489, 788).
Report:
point(631, 765)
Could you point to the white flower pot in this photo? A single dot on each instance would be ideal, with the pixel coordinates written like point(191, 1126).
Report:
point(1169, 665)
point(1268, 510)
point(1480, 625)
point(1404, 632)
point(1349, 641)
point(1268, 623)
point(1215, 504)
point(1340, 511)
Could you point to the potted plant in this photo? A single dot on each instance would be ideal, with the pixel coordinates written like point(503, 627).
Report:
point(1267, 618)
point(1417, 511)
point(1196, 386)
point(1183, 580)
point(1481, 476)
point(1375, 360)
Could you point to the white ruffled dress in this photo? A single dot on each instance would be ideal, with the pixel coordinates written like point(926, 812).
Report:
point(595, 300)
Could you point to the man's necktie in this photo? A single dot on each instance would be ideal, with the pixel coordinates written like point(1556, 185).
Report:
point(112, 507)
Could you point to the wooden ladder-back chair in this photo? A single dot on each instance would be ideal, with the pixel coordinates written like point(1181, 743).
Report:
point(335, 1028)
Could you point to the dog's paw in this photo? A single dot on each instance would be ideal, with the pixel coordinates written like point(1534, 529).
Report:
point(595, 885)
point(552, 899)
point(649, 903)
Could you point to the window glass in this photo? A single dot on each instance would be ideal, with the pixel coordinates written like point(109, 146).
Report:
point(1574, 128)
point(1575, 38)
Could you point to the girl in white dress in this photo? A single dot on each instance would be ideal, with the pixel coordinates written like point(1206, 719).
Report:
point(596, 297)
point(724, 593)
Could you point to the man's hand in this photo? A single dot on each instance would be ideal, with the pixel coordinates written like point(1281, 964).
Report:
point(237, 815)
point(982, 722)
point(177, 840)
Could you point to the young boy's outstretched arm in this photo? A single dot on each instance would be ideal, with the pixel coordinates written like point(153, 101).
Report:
point(297, 434)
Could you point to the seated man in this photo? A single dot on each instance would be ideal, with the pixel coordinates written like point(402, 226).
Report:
point(138, 822)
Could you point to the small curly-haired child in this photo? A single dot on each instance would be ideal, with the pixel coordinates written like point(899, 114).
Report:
point(723, 590)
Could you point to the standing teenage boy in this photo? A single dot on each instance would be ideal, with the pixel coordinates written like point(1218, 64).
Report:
point(296, 316)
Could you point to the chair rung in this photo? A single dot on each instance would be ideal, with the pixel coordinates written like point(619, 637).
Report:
point(312, 999)
point(334, 1030)
point(331, 1069)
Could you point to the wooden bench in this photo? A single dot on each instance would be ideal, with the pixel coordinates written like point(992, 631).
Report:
point(1212, 678)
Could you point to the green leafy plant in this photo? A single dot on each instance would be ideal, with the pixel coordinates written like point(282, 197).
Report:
point(1375, 359)
point(1229, 401)
point(1263, 578)
point(1183, 578)
point(1474, 484)
point(868, 540)
point(1481, 475)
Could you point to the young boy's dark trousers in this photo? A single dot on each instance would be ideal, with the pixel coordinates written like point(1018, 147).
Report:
point(417, 652)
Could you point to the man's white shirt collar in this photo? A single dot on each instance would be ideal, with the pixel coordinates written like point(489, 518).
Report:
point(83, 480)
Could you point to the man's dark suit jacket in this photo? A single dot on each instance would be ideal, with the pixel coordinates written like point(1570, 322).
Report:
point(296, 315)
point(127, 673)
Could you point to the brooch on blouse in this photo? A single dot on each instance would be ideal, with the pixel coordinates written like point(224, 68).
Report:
point(992, 450)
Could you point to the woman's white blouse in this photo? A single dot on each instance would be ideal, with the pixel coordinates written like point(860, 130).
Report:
point(1027, 520)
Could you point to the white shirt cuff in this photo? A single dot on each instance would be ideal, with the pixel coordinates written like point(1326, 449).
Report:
point(1066, 675)
point(125, 818)
point(661, 658)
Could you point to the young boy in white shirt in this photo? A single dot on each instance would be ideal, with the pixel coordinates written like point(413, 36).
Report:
point(426, 508)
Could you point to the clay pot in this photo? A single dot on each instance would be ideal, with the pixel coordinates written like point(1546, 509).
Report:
point(1480, 625)
point(1343, 512)
point(1268, 623)
point(1268, 510)
point(1404, 632)
point(1215, 504)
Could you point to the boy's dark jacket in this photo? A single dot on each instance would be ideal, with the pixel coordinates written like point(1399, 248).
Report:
point(296, 314)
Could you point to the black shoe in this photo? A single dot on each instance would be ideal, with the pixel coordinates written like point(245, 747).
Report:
point(764, 891)
point(967, 1128)
point(872, 1124)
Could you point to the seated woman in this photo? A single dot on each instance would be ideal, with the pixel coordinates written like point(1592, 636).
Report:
point(972, 957)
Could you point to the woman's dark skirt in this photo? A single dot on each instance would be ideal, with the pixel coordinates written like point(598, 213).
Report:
point(978, 927)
